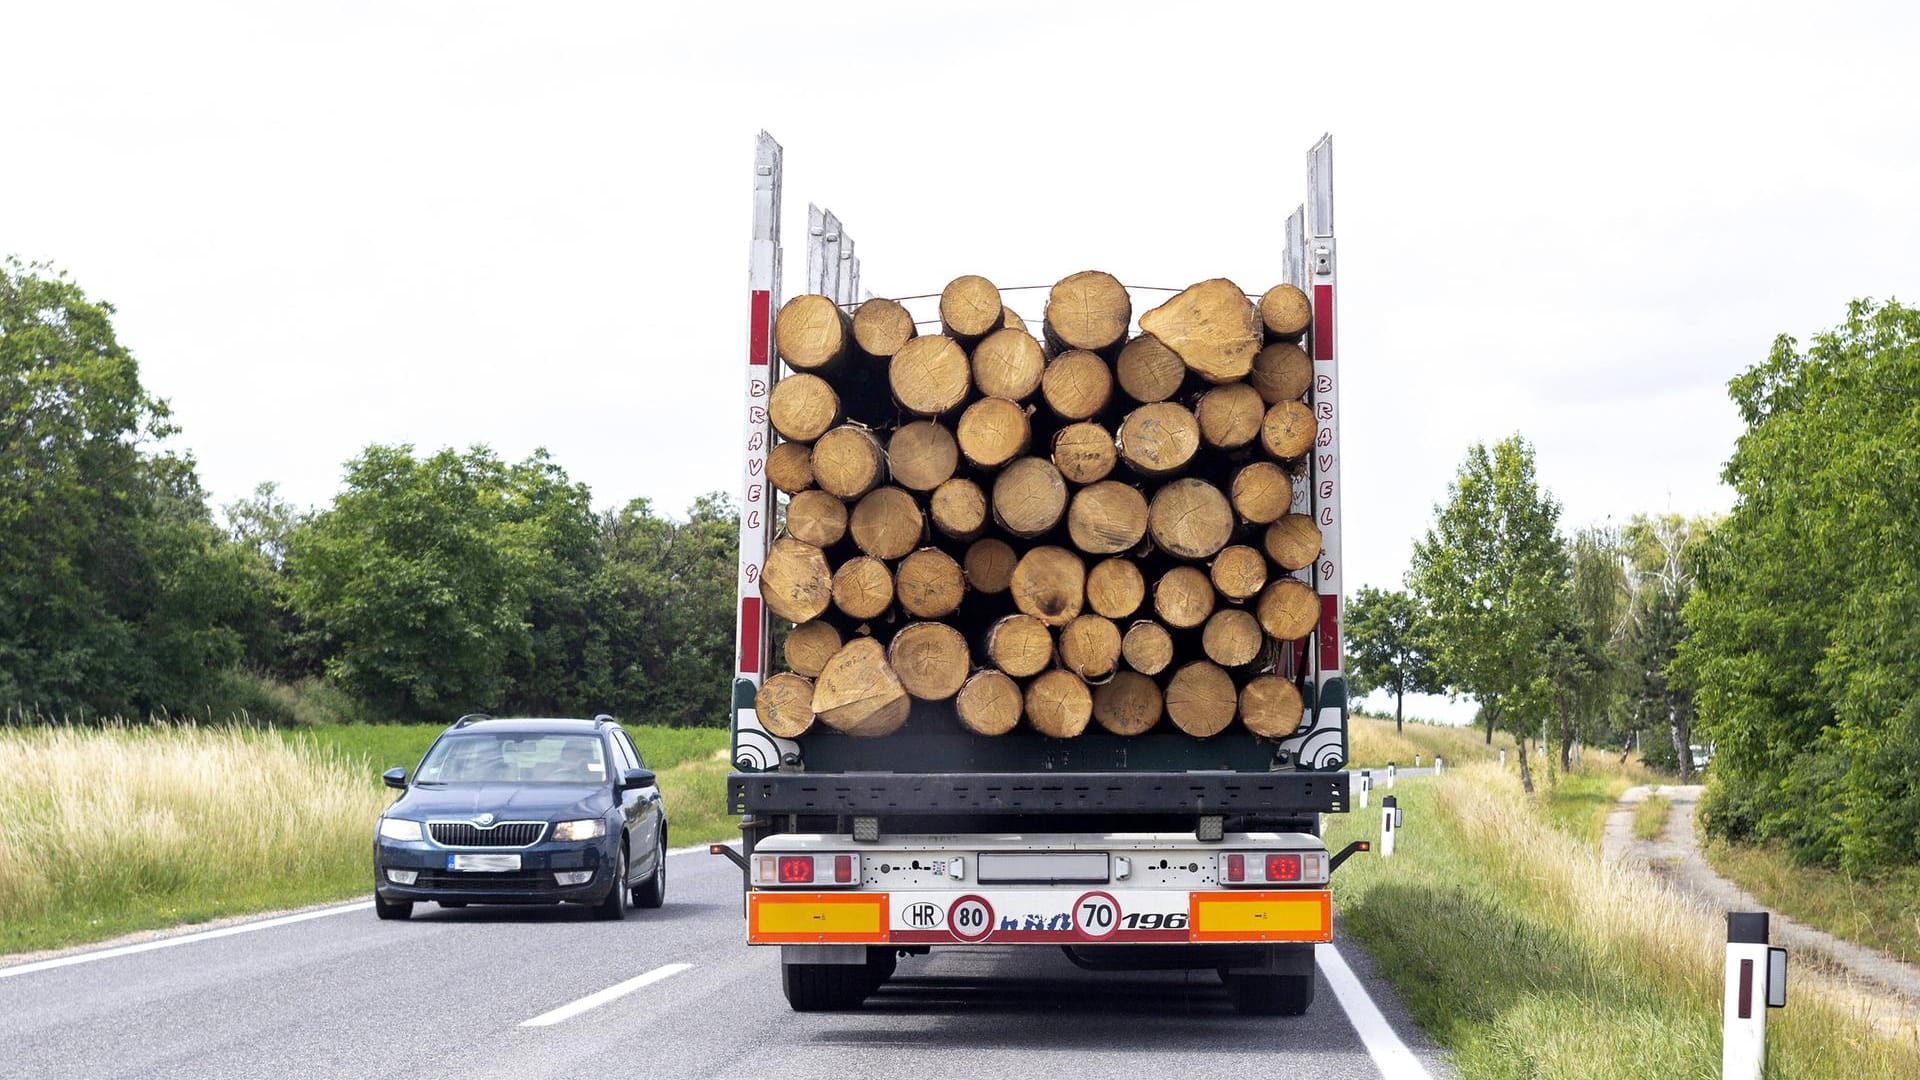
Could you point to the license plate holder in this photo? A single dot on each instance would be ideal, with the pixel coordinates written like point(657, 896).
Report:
point(486, 863)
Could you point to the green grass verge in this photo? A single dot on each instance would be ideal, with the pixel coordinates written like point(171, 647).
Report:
point(1881, 912)
point(1650, 817)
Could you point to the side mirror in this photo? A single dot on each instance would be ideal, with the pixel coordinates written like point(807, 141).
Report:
point(637, 778)
point(395, 777)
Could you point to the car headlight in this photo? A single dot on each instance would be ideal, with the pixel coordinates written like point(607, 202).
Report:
point(590, 829)
point(399, 829)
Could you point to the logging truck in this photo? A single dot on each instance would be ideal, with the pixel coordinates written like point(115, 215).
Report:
point(1039, 637)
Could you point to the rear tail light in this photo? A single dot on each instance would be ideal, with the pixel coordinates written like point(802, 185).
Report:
point(806, 870)
point(1273, 868)
point(1283, 868)
point(796, 869)
point(1236, 867)
point(843, 869)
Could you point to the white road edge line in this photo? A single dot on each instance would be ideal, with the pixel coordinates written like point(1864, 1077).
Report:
point(601, 997)
point(183, 939)
point(1394, 1060)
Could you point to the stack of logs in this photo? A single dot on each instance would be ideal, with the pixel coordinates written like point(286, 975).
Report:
point(1077, 527)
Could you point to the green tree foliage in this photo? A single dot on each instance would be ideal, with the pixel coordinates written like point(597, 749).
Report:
point(1384, 650)
point(1662, 553)
point(1591, 674)
point(1804, 652)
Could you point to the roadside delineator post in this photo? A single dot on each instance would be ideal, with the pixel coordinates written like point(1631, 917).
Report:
point(1756, 980)
point(1437, 763)
point(1389, 825)
point(1393, 772)
point(1416, 761)
point(1366, 785)
point(1503, 758)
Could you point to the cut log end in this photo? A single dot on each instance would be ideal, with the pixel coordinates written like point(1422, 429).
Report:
point(970, 307)
point(887, 523)
point(1077, 384)
point(817, 518)
point(1262, 491)
point(1084, 452)
point(1288, 609)
point(1128, 704)
point(1287, 431)
point(882, 327)
point(1230, 416)
point(1029, 497)
point(811, 332)
point(1020, 645)
point(1090, 647)
point(803, 407)
point(993, 431)
point(1059, 704)
point(859, 693)
point(1147, 647)
point(1008, 364)
point(1190, 519)
point(1088, 310)
point(1201, 699)
point(1050, 584)
point(1232, 638)
point(1159, 439)
point(1270, 707)
point(1293, 542)
point(795, 583)
point(922, 455)
point(848, 462)
point(930, 375)
point(1183, 597)
point(988, 703)
point(1285, 312)
point(784, 705)
point(790, 467)
point(1281, 372)
point(1116, 588)
point(863, 587)
point(1239, 572)
point(958, 508)
point(1107, 518)
point(1212, 327)
point(930, 659)
point(1148, 371)
point(989, 565)
point(930, 584)
point(809, 646)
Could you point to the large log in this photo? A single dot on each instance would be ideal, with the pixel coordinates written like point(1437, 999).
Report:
point(931, 660)
point(1076, 385)
point(809, 646)
point(921, 455)
point(1287, 432)
point(795, 583)
point(863, 587)
point(790, 467)
point(993, 431)
point(1183, 597)
point(1281, 372)
point(930, 584)
point(970, 308)
point(887, 523)
point(1127, 704)
point(1050, 584)
point(1285, 312)
point(930, 375)
point(1159, 439)
point(1232, 638)
point(817, 517)
point(1058, 704)
point(803, 407)
point(1084, 452)
point(1293, 542)
point(1288, 609)
point(958, 508)
point(1116, 588)
point(785, 705)
point(848, 462)
point(1270, 707)
point(988, 703)
point(1261, 492)
point(1088, 310)
point(1212, 327)
point(1029, 497)
point(858, 692)
point(1148, 371)
point(1230, 415)
point(1107, 518)
point(882, 327)
point(1200, 699)
point(1090, 647)
point(1147, 647)
point(1008, 364)
point(1190, 519)
point(1239, 572)
point(989, 565)
point(812, 333)
point(1020, 645)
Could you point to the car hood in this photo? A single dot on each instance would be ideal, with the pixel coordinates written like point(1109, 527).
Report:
point(506, 802)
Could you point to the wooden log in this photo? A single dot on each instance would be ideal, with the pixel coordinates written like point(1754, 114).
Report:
point(970, 308)
point(817, 517)
point(958, 508)
point(1008, 364)
point(989, 566)
point(887, 523)
point(1293, 542)
point(812, 333)
point(859, 693)
point(1212, 327)
point(1107, 518)
point(1159, 439)
point(1200, 699)
point(790, 467)
point(882, 327)
point(809, 646)
point(930, 375)
point(1090, 647)
point(1076, 385)
point(1239, 572)
point(1230, 416)
point(1270, 706)
point(1285, 312)
point(1147, 647)
point(1020, 645)
point(1261, 492)
point(1059, 704)
point(922, 455)
point(863, 587)
point(1288, 609)
point(1183, 597)
point(1116, 588)
point(1088, 310)
point(930, 584)
point(1148, 371)
point(931, 660)
point(1232, 638)
point(1084, 452)
point(1281, 372)
point(988, 703)
point(1190, 519)
point(993, 431)
point(848, 462)
point(803, 407)
point(785, 705)
point(1287, 432)
point(795, 583)
point(1011, 320)
point(1029, 497)
point(1050, 584)
point(1128, 704)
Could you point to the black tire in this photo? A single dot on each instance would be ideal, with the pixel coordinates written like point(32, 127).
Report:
point(881, 962)
point(825, 987)
point(652, 892)
point(1269, 995)
point(614, 907)
point(392, 909)
point(453, 903)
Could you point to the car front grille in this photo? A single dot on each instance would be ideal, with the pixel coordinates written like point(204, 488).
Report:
point(501, 834)
point(506, 881)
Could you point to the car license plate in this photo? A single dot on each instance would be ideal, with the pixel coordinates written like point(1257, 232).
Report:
point(494, 863)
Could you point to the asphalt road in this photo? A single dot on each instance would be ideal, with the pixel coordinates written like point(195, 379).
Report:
point(449, 994)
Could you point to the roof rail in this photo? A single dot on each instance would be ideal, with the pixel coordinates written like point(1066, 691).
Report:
point(470, 718)
point(603, 718)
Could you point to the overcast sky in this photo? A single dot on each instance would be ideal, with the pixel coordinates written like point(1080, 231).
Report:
point(526, 225)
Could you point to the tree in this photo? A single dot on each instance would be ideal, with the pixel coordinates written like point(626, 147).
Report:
point(1591, 671)
point(1661, 553)
point(1492, 574)
point(1384, 650)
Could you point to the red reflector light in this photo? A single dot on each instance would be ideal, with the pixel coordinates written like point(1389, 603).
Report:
point(1283, 868)
point(842, 869)
point(796, 869)
point(1236, 868)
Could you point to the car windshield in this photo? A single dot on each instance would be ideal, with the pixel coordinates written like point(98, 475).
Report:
point(482, 757)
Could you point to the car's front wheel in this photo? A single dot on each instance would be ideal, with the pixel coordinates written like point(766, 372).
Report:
point(614, 907)
point(653, 892)
point(392, 909)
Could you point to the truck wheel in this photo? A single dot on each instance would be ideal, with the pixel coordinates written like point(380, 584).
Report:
point(825, 987)
point(392, 909)
point(880, 966)
point(1269, 995)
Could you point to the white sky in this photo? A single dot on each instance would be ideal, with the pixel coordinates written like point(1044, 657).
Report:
point(329, 224)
